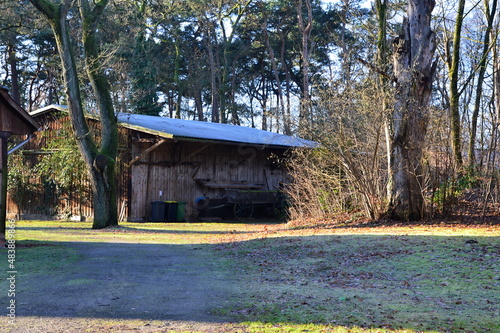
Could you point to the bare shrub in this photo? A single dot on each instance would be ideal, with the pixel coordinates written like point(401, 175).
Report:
point(316, 191)
point(347, 174)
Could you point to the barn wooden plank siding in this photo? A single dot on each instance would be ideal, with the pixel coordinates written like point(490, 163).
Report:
point(179, 171)
point(161, 164)
point(43, 200)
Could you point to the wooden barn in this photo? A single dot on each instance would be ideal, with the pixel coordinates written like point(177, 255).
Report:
point(14, 122)
point(173, 169)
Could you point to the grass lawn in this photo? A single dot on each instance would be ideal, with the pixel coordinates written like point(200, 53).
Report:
point(429, 278)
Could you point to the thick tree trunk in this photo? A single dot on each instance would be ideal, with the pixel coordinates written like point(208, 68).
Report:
point(414, 70)
point(104, 162)
point(100, 163)
point(198, 102)
point(56, 15)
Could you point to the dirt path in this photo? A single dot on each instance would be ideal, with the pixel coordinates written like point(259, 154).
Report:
point(140, 287)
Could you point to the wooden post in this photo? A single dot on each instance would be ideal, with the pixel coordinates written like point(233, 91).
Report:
point(4, 136)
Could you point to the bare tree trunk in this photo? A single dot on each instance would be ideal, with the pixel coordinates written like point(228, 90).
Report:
point(14, 73)
point(177, 79)
point(287, 117)
point(496, 71)
point(235, 118)
point(100, 163)
point(213, 80)
point(453, 61)
point(280, 104)
point(344, 18)
point(198, 102)
point(414, 70)
point(490, 16)
point(263, 98)
point(104, 163)
point(382, 63)
point(305, 29)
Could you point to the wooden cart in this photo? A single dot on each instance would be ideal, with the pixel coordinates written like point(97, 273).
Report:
point(245, 202)
point(245, 199)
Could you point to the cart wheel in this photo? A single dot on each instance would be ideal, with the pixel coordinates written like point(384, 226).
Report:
point(280, 207)
point(243, 209)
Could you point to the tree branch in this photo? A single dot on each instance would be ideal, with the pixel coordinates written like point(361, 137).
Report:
point(47, 8)
point(376, 69)
point(12, 26)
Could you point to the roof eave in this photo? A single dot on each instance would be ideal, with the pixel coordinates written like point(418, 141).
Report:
point(20, 111)
point(146, 130)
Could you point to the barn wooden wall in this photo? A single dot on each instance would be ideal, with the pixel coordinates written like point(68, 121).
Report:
point(43, 201)
point(178, 169)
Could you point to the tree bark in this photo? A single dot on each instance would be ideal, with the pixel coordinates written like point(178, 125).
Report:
point(274, 66)
point(414, 70)
point(496, 71)
point(177, 79)
point(198, 102)
point(104, 162)
point(453, 64)
point(305, 28)
point(100, 163)
point(14, 73)
point(490, 16)
point(382, 81)
point(213, 78)
point(287, 111)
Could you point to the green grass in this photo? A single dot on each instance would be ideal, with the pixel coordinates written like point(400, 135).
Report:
point(385, 279)
point(300, 328)
point(416, 283)
point(35, 257)
point(171, 233)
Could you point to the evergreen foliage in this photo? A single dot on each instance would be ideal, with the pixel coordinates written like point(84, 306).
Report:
point(248, 62)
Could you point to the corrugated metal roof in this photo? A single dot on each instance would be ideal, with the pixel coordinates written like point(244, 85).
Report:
point(191, 129)
point(199, 130)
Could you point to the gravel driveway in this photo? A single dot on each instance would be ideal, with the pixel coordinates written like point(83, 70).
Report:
point(118, 287)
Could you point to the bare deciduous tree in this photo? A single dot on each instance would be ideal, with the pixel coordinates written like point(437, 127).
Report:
point(414, 68)
point(100, 161)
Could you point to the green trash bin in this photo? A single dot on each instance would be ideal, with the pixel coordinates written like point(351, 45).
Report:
point(181, 209)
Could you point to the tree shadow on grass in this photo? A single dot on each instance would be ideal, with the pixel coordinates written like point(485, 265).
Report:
point(440, 283)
